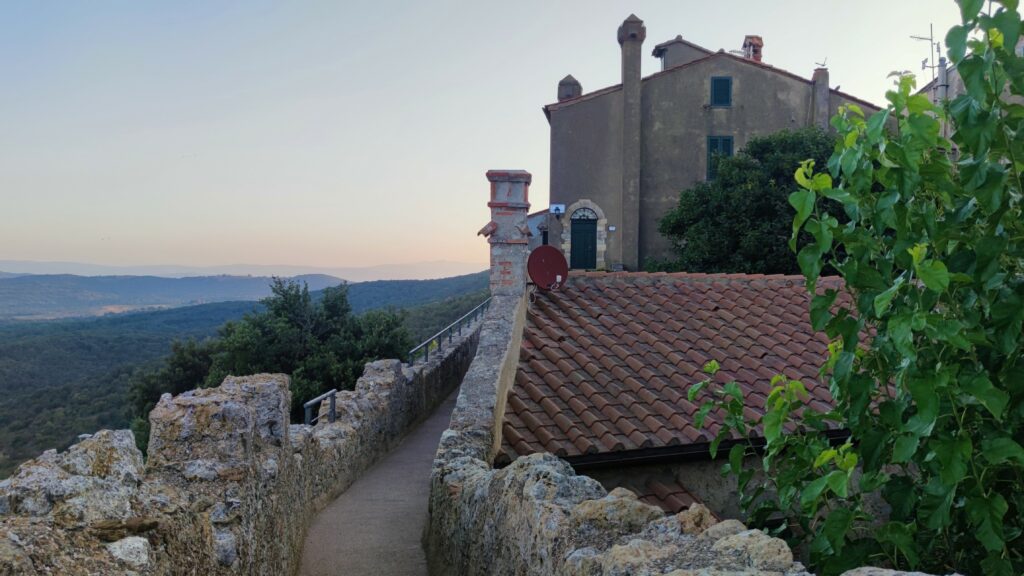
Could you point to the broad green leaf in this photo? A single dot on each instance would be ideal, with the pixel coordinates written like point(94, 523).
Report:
point(837, 524)
point(1000, 450)
point(825, 457)
point(969, 9)
point(838, 482)
point(919, 103)
point(803, 202)
point(934, 275)
point(694, 390)
point(904, 448)
point(882, 301)
point(986, 514)
point(933, 509)
point(812, 491)
point(902, 536)
point(926, 400)
point(736, 458)
point(809, 260)
point(772, 423)
point(733, 389)
point(956, 42)
point(918, 252)
point(987, 394)
point(876, 124)
point(953, 456)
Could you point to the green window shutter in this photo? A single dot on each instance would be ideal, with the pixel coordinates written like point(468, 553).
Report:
point(721, 91)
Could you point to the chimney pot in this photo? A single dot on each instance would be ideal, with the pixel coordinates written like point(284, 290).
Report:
point(753, 47)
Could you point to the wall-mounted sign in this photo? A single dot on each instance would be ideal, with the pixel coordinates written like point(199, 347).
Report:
point(557, 209)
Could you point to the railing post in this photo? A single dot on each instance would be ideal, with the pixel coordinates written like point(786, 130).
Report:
point(309, 415)
point(332, 415)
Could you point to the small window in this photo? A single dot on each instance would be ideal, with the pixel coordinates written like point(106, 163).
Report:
point(717, 146)
point(544, 237)
point(721, 91)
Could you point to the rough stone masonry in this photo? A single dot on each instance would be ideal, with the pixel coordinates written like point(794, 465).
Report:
point(229, 486)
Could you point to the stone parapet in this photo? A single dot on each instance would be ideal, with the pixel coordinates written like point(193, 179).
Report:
point(229, 487)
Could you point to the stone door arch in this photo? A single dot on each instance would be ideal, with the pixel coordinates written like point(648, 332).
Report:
point(591, 226)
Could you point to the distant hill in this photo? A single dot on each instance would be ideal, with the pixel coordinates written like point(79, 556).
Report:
point(61, 378)
point(9, 274)
point(49, 296)
point(404, 293)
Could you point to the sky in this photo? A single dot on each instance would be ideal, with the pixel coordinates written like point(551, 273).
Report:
point(340, 134)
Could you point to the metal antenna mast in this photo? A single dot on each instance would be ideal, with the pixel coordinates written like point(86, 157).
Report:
point(931, 44)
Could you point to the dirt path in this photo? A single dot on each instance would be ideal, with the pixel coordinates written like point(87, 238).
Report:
point(375, 527)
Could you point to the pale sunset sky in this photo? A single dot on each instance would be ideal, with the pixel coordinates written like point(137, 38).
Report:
point(338, 133)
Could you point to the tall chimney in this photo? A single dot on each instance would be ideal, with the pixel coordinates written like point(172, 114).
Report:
point(507, 231)
point(753, 47)
point(569, 87)
point(821, 108)
point(631, 37)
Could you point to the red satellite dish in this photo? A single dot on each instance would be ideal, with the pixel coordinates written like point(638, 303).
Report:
point(547, 267)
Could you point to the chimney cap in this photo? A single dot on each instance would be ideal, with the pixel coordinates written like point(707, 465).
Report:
point(509, 176)
point(632, 29)
point(753, 39)
point(568, 80)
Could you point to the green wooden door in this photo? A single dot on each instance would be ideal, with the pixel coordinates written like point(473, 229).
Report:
point(584, 244)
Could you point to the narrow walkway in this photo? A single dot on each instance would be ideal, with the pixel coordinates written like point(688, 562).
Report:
point(375, 527)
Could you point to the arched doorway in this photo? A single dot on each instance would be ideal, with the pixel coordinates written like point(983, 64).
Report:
point(583, 239)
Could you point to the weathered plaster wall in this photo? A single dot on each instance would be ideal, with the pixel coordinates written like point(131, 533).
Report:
point(586, 163)
point(537, 516)
point(229, 486)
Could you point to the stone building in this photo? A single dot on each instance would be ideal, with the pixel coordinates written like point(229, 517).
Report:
point(621, 155)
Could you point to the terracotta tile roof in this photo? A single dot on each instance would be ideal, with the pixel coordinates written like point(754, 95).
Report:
point(659, 489)
point(606, 362)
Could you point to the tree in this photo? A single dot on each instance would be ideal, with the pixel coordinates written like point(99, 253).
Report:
point(740, 221)
point(926, 364)
point(319, 342)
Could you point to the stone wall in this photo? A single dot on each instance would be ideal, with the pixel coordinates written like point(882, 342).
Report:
point(537, 516)
point(229, 486)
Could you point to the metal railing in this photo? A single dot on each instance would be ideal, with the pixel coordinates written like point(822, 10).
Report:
point(424, 349)
point(437, 340)
point(332, 413)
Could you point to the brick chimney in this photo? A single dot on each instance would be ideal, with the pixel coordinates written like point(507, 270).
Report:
point(507, 232)
point(753, 46)
point(569, 87)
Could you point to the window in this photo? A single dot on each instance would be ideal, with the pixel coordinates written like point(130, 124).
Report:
point(717, 146)
point(721, 91)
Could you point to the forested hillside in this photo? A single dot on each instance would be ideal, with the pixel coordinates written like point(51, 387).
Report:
point(62, 378)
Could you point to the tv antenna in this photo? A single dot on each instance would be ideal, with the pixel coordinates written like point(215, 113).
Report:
point(822, 64)
point(932, 43)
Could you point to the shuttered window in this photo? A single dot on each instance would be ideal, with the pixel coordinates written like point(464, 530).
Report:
point(717, 146)
point(721, 91)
